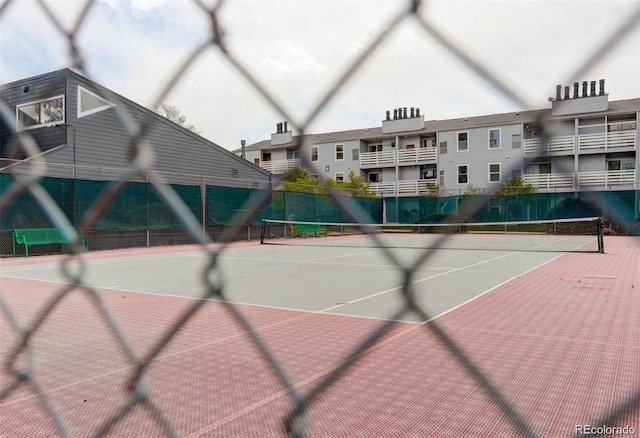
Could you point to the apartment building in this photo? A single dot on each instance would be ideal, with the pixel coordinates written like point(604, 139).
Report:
point(583, 142)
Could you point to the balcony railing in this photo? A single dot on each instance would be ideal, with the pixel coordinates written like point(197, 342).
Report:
point(280, 166)
point(607, 178)
point(415, 187)
point(550, 181)
point(416, 156)
point(562, 145)
point(403, 157)
point(607, 142)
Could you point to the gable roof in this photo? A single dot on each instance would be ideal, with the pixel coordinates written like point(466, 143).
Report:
point(433, 126)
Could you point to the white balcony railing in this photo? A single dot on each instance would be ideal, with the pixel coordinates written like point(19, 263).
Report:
point(280, 166)
point(378, 159)
point(403, 157)
point(607, 178)
point(416, 156)
point(403, 187)
point(561, 145)
point(607, 142)
point(550, 181)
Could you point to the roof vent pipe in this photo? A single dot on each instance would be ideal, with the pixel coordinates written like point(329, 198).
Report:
point(395, 113)
point(405, 112)
point(585, 86)
point(601, 87)
point(285, 126)
point(413, 112)
point(576, 88)
point(593, 88)
point(558, 92)
point(566, 93)
point(388, 115)
point(417, 112)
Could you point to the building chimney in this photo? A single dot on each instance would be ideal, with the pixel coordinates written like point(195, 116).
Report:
point(388, 115)
point(585, 86)
point(413, 112)
point(558, 92)
point(405, 113)
point(417, 112)
point(243, 154)
point(278, 128)
point(576, 88)
point(593, 88)
point(395, 113)
point(601, 87)
point(566, 93)
point(285, 127)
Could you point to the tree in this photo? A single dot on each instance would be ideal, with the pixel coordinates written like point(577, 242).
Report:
point(297, 180)
point(510, 193)
point(174, 114)
point(355, 185)
point(515, 186)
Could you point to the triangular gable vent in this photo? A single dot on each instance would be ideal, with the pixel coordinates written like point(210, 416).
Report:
point(90, 103)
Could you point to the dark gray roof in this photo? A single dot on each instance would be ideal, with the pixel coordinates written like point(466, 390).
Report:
point(432, 126)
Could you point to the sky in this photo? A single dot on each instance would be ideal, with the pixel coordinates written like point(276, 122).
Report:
point(298, 49)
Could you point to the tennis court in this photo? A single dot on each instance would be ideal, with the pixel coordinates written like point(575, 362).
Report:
point(550, 340)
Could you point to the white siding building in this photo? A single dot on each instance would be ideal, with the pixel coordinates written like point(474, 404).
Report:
point(582, 143)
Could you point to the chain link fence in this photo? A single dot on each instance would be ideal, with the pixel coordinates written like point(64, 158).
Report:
point(22, 370)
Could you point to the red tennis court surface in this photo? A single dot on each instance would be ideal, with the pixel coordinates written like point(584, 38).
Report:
point(561, 343)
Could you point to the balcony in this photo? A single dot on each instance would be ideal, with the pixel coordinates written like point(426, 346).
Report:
point(565, 181)
point(370, 160)
point(607, 178)
point(403, 187)
point(278, 167)
point(403, 157)
point(550, 181)
point(607, 142)
point(619, 141)
point(562, 145)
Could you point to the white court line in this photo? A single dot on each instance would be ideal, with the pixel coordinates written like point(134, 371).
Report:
point(337, 306)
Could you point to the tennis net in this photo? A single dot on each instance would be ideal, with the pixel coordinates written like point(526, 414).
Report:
point(558, 235)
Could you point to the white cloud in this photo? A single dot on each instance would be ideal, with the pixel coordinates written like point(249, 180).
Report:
point(297, 50)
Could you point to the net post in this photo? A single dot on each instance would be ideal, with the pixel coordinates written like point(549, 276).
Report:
point(600, 233)
point(263, 229)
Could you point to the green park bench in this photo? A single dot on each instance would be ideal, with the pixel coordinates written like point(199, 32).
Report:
point(41, 236)
point(304, 229)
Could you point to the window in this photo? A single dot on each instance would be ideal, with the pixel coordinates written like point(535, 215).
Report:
point(463, 174)
point(539, 168)
point(410, 146)
point(516, 141)
point(443, 147)
point(375, 177)
point(314, 154)
point(494, 172)
point(339, 152)
point(621, 164)
point(625, 122)
point(40, 113)
point(90, 103)
point(463, 141)
point(494, 138)
point(339, 176)
point(427, 143)
point(256, 161)
point(441, 178)
point(314, 177)
point(430, 171)
point(355, 154)
point(266, 156)
point(375, 147)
